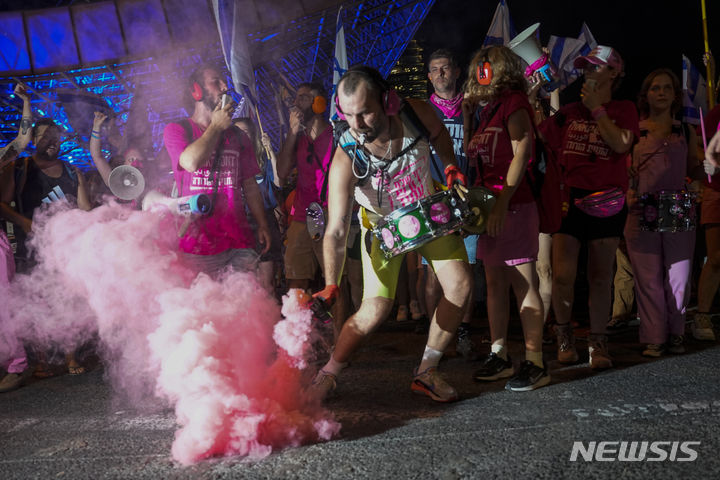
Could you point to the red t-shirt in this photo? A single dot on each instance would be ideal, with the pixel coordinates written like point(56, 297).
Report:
point(227, 226)
point(490, 150)
point(313, 165)
point(573, 135)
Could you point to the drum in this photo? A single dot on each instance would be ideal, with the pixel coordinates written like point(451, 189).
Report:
point(480, 202)
point(414, 225)
point(668, 211)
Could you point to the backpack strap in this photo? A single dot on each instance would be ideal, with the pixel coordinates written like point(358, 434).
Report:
point(361, 158)
point(71, 172)
point(187, 129)
point(21, 172)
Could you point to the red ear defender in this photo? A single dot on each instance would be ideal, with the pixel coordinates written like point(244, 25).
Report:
point(484, 73)
point(196, 91)
point(319, 105)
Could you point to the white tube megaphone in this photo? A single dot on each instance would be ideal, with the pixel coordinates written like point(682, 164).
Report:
point(126, 182)
point(526, 47)
point(199, 204)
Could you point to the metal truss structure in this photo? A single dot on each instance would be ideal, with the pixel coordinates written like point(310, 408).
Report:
point(146, 94)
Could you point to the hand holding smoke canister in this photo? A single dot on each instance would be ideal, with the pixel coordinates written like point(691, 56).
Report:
point(199, 204)
point(322, 301)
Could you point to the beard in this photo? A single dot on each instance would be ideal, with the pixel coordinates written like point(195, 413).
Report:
point(48, 152)
point(210, 103)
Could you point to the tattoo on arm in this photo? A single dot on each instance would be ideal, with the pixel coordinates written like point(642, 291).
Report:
point(25, 125)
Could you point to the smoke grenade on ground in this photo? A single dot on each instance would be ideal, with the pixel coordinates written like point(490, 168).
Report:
point(218, 351)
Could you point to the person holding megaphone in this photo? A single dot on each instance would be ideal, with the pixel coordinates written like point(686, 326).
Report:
point(591, 139)
point(124, 181)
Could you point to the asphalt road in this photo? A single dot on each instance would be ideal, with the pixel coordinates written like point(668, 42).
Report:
point(70, 426)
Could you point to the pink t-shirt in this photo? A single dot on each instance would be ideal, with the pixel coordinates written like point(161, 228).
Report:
point(490, 149)
point(227, 226)
point(661, 163)
point(313, 163)
point(589, 162)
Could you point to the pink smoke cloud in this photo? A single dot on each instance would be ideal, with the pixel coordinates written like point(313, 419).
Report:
point(218, 350)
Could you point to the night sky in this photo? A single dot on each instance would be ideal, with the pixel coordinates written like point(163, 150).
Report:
point(648, 33)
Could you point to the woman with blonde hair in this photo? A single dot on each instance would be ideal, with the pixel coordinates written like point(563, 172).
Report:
point(502, 148)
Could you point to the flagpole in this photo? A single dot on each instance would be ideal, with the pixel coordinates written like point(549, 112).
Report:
point(710, 80)
point(257, 114)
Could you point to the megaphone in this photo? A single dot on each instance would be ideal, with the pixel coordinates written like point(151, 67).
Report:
point(199, 204)
point(526, 47)
point(126, 182)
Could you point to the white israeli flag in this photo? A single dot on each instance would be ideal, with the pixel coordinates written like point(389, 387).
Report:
point(340, 62)
point(694, 91)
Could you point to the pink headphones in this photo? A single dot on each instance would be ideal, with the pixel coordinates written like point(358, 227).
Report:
point(391, 101)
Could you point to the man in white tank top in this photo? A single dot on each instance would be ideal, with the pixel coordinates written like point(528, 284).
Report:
point(371, 109)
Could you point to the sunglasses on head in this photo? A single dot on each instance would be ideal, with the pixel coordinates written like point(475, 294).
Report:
point(310, 153)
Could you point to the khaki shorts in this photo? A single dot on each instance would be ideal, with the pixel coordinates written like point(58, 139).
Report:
point(380, 275)
point(303, 255)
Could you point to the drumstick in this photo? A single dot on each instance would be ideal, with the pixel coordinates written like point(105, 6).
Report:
point(702, 129)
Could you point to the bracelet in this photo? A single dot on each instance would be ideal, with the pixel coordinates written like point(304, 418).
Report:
point(94, 135)
point(599, 112)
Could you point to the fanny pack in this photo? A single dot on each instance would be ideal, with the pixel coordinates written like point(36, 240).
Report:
point(605, 203)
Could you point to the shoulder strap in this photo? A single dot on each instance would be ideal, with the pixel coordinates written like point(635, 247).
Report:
point(686, 132)
point(408, 112)
point(70, 171)
point(358, 157)
point(420, 131)
point(187, 128)
point(185, 124)
point(21, 171)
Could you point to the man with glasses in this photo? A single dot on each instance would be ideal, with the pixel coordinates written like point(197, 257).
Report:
point(308, 147)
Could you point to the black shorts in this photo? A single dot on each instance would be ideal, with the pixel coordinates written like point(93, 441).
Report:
point(585, 227)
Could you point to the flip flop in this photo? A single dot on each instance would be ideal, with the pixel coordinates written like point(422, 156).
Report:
point(76, 370)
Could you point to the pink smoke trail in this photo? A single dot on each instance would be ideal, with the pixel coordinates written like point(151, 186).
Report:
point(210, 347)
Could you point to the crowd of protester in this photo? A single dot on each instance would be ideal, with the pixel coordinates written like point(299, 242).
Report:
point(277, 211)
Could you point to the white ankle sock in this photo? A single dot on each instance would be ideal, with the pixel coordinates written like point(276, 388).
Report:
point(431, 358)
point(534, 357)
point(334, 367)
point(499, 350)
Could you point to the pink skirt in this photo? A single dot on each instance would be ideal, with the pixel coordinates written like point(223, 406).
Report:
point(518, 242)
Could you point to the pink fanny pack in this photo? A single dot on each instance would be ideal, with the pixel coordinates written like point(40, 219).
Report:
point(602, 204)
